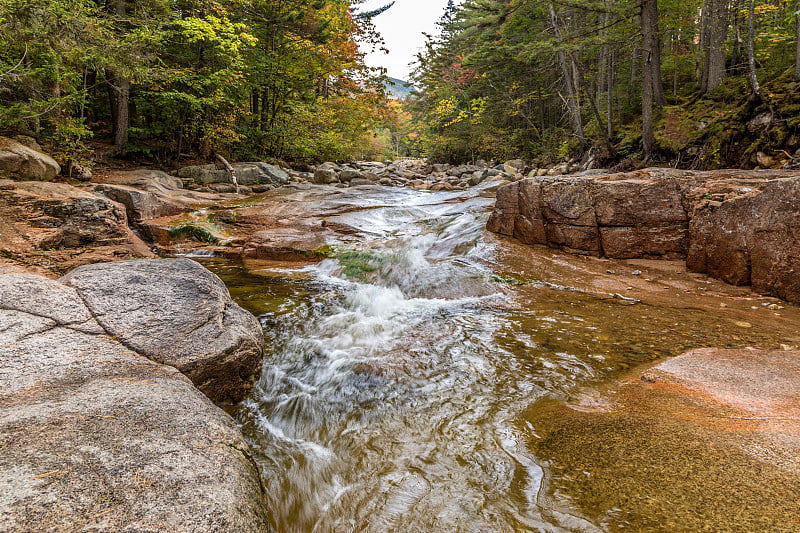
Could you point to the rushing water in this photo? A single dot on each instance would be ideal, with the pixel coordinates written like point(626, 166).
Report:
point(399, 372)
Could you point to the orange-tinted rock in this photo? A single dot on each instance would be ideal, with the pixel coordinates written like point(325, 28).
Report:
point(288, 244)
point(58, 227)
point(739, 226)
point(752, 239)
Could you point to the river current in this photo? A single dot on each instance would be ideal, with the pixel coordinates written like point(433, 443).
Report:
point(393, 397)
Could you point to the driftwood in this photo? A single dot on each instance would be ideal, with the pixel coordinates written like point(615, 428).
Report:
point(230, 170)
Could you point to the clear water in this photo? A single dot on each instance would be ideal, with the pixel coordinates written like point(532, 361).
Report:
point(396, 390)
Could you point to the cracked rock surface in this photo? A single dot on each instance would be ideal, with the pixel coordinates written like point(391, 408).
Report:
point(96, 433)
point(175, 312)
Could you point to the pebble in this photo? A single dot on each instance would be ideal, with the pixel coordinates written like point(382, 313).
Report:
point(637, 272)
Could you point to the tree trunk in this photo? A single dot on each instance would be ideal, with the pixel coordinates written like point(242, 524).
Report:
point(649, 28)
point(572, 97)
point(634, 75)
point(655, 50)
point(610, 96)
point(119, 95)
point(119, 92)
point(797, 53)
point(265, 109)
point(716, 33)
point(751, 52)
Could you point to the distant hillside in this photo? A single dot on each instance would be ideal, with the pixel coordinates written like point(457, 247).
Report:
point(398, 89)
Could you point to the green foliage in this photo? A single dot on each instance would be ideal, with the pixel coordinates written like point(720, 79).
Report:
point(261, 78)
point(194, 232)
point(360, 265)
point(491, 84)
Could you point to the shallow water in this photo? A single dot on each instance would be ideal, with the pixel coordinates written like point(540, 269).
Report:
point(397, 390)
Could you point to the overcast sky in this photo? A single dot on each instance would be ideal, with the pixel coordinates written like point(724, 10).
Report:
point(401, 27)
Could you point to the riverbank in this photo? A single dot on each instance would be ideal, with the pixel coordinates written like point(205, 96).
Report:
point(358, 288)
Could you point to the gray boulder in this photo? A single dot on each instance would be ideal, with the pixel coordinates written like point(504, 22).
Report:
point(97, 437)
point(325, 176)
point(246, 174)
point(462, 169)
point(477, 177)
point(513, 166)
point(21, 162)
point(177, 313)
point(29, 141)
point(143, 179)
point(348, 174)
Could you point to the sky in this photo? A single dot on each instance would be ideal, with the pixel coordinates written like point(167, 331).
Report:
point(402, 26)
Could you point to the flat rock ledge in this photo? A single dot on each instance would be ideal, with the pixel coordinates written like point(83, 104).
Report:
point(738, 226)
point(102, 424)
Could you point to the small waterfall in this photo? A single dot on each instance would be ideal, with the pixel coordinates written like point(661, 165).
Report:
point(378, 410)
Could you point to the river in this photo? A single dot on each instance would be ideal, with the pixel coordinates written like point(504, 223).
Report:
point(397, 393)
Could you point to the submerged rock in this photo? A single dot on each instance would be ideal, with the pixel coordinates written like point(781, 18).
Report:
point(98, 435)
point(289, 244)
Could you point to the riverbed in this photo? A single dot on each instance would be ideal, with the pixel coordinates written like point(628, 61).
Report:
point(421, 378)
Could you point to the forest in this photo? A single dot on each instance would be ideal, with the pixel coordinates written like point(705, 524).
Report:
point(697, 83)
point(278, 79)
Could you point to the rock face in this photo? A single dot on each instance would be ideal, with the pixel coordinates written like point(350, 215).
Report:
point(752, 239)
point(738, 226)
point(21, 162)
point(175, 312)
point(59, 226)
point(140, 205)
point(636, 215)
point(95, 435)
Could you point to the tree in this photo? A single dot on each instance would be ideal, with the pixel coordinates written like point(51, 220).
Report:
point(119, 91)
point(571, 100)
point(751, 53)
point(715, 33)
point(797, 43)
point(650, 67)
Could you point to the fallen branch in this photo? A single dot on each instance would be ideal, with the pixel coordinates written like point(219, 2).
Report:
point(230, 170)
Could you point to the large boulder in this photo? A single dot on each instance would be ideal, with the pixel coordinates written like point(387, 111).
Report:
point(326, 174)
point(59, 226)
point(633, 216)
point(141, 179)
point(97, 436)
point(348, 174)
point(140, 205)
point(21, 162)
point(462, 169)
point(246, 174)
point(751, 239)
point(177, 313)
